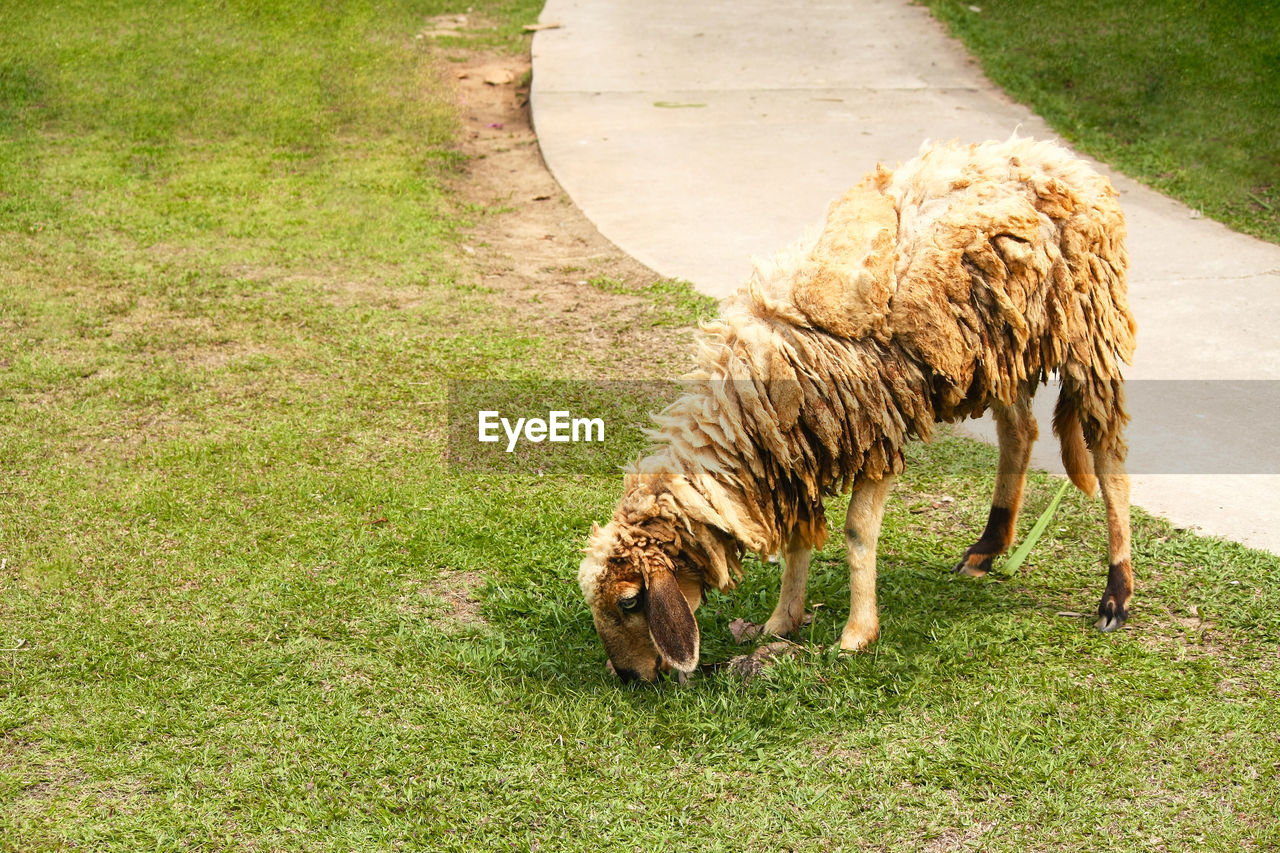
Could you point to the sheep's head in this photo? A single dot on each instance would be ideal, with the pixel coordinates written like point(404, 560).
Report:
point(641, 599)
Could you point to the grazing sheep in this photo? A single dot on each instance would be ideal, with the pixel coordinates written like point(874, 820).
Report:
point(953, 285)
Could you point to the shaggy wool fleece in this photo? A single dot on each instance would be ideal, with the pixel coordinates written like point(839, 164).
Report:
point(933, 290)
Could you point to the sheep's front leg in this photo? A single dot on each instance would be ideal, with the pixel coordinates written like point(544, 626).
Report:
point(789, 613)
point(861, 530)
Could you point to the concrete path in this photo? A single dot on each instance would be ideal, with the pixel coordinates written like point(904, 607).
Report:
point(698, 135)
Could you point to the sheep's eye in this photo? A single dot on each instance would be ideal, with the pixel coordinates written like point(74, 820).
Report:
point(630, 604)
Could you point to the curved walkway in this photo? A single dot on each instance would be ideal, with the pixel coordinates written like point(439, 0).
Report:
point(697, 135)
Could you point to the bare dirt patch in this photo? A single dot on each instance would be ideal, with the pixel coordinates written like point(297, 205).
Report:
point(536, 251)
point(457, 591)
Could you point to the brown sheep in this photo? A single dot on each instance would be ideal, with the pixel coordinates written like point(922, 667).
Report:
point(953, 285)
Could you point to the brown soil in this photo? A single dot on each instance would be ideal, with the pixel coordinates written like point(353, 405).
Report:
point(538, 252)
point(456, 591)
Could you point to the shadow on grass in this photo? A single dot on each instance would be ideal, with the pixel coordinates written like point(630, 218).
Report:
point(943, 636)
point(936, 626)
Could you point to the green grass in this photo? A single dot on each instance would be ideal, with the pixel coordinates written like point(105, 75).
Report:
point(1182, 95)
point(245, 587)
point(678, 299)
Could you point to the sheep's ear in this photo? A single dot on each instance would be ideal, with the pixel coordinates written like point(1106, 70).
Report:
point(671, 623)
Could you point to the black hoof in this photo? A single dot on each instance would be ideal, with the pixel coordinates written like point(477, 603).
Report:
point(1110, 615)
point(974, 565)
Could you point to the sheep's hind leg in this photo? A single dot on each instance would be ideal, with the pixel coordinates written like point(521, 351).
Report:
point(1017, 431)
point(789, 613)
point(1113, 610)
point(861, 531)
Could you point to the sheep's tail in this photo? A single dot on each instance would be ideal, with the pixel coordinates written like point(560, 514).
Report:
point(1075, 453)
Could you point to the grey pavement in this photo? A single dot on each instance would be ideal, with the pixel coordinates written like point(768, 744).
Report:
point(698, 135)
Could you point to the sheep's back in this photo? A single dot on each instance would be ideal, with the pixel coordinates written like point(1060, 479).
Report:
point(1011, 264)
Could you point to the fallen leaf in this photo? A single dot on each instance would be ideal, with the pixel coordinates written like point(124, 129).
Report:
point(445, 25)
point(741, 630)
point(1191, 623)
point(749, 666)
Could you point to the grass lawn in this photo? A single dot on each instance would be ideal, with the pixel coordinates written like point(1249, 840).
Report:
point(1182, 95)
point(245, 606)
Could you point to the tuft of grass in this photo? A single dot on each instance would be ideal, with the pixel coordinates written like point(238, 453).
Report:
point(1019, 555)
point(1182, 95)
point(673, 301)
